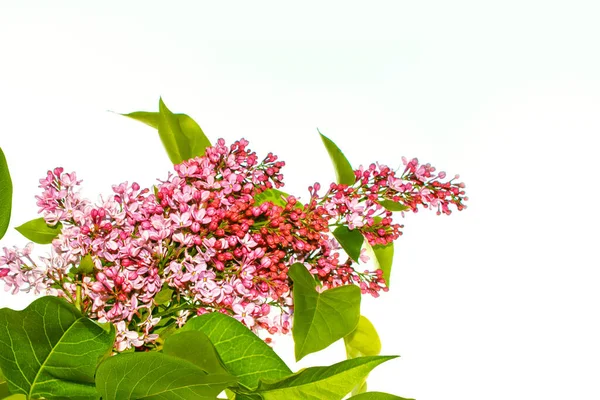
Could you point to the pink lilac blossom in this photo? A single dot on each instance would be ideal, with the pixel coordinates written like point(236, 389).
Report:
point(200, 241)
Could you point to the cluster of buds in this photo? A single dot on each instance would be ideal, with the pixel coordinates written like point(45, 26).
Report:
point(207, 239)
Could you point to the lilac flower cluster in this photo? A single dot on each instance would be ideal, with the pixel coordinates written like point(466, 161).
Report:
point(203, 241)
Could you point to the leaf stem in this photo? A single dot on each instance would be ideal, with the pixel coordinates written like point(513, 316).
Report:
point(78, 298)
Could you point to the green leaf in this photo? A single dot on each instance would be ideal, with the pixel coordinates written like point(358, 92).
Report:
point(171, 135)
point(195, 347)
point(377, 396)
point(86, 266)
point(16, 397)
point(197, 139)
point(147, 117)
point(50, 350)
point(350, 240)
point(343, 170)
point(3, 386)
point(156, 376)
point(181, 136)
point(363, 341)
point(6, 190)
point(321, 318)
point(243, 353)
point(247, 396)
point(38, 231)
point(384, 257)
point(322, 383)
point(164, 296)
point(393, 205)
point(360, 389)
point(272, 195)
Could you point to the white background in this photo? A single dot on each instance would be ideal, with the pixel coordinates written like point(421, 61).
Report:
point(500, 301)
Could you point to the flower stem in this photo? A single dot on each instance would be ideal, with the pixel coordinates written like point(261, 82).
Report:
point(78, 298)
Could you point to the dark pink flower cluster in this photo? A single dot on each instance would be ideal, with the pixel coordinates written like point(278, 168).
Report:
point(204, 240)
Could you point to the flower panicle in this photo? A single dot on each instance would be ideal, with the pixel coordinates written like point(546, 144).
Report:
point(200, 241)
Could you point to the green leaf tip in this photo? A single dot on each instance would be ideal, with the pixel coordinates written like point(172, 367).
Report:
point(351, 241)
point(180, 135)
point(38, 231)
point(331, 382)
point(343, 170)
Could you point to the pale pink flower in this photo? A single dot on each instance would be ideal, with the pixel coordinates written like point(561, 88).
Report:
point(244, 313)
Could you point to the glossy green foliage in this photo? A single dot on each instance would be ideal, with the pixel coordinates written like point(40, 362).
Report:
point(243, 354)
point(50, 350)
point(181, 136)
point(157, 376)
point(322, 383)
point(343, 170)
point(195, 347)
point(38, 231)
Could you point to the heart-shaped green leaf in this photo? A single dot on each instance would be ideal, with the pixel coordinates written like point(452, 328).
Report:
point(322, 383)
point(377, 396)
point(195, 347)
point(181, 136)
point(343, 170)
point(321, 318)
point(157, 376)
point(50, 350)
point(6, 190)
point(350, 240)
point(38, 231)
point(243, 353)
